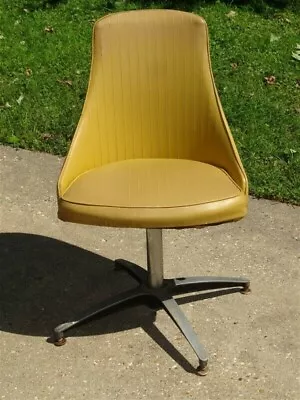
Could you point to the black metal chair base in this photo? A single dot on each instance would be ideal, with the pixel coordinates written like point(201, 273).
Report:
point(161, 297)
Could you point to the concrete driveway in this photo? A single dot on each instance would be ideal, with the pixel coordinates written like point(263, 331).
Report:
point(52, 271)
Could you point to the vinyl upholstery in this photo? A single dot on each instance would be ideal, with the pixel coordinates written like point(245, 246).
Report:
point(152, 148)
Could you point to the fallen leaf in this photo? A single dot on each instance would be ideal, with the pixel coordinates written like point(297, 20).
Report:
point(46, 136)
point(20, 99)
point(231, 14)
point(296, 56)
point(25, 10)
point(28, 72)
point(2, 37)
point(234, 65)
point(287, 20)
point(65, 82)
point(274, 38)
point(297, 83)
point(6, 105)
point(49, 29)
point(270, 80)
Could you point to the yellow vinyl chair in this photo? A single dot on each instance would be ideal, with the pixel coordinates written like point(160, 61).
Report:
point(153, 150)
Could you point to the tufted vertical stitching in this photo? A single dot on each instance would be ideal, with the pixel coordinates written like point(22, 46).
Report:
point(152, 90)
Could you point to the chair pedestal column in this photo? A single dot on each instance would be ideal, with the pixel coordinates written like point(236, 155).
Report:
point(155, 257)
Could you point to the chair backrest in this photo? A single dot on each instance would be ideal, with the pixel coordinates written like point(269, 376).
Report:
point(151, 94)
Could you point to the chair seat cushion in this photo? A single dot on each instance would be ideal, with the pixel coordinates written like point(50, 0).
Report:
point(153, 193)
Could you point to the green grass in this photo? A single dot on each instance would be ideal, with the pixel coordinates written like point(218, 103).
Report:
point(246, 48)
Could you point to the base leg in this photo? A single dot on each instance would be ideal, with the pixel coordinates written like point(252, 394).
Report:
point(175, 312)
point(135, 271)
point(107, 305)
point(198, 283)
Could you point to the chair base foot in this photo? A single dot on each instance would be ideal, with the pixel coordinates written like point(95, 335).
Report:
point(161, 297)
point(246, 289)
point(60, 342)
point(202, 371)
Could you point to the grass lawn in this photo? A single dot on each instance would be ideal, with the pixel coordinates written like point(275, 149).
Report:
point(45, 58)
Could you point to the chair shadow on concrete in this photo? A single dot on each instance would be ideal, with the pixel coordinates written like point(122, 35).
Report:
point(45, 281)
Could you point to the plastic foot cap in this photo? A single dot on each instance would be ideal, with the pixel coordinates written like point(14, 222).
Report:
point(246, 290)
point(202, 371)
point(60, 342)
